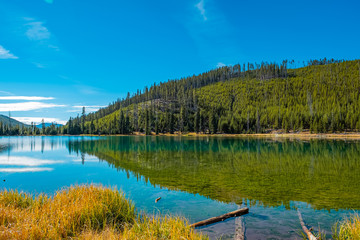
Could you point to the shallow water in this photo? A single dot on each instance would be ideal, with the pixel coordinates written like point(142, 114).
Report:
point(201, 177)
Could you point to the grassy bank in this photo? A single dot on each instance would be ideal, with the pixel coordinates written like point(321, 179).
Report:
point(83, 212)
point(349, 228)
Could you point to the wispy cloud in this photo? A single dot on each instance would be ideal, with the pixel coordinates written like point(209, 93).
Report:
point(201, 8)
point(6, 93)
point(26, 98)
point(5, 54)
point(37, 31)
point(88, 90)
point(220, 64)
point(38, 120)
point(88, 109)
point(25, 161)
point(204, 26)
point(39, 65)
point(93, 106)
point(26, 106)
point(21, 170)
point(56, 48)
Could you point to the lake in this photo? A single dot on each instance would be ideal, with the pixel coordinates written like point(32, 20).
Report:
point(201, 177)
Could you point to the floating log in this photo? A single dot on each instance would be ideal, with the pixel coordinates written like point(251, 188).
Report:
point(305, 229)
point(236, 213)
point(156, 200)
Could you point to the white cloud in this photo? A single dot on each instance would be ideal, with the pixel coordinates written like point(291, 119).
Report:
point(20, 170)
point(25, 161)
point(26, 106)
point(5, 54)
point(220, 64)
point(36, 31)
point(38, 120)
point(26, 98)
point(200, 7)
point(87, 108)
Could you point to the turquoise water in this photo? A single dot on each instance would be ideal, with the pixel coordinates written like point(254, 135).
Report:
point(201, 177)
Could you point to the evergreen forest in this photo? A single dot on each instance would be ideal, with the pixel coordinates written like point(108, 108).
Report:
point(322, 96)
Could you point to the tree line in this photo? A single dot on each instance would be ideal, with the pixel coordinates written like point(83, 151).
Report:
point(32, 130)
point(322, 96)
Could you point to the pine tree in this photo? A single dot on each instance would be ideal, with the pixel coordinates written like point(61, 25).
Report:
point(43, 127)
point(122, 123)
point(147, 125)
point(197, 121)
point(213, 122)
point(83, 120)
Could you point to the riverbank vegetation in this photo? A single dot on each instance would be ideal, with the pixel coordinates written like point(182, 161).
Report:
point(349, 228)
point(83, 212)
point(96, 212)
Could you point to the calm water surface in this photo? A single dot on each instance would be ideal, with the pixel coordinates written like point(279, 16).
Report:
point(201, 177)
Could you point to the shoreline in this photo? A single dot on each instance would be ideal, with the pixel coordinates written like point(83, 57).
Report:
point(272, 135)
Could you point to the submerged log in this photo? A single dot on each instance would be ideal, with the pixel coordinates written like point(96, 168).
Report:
point(236, 213)
point(239, 228)
point(305, 229)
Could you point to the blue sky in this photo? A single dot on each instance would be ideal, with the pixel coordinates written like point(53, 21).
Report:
point(59, 55)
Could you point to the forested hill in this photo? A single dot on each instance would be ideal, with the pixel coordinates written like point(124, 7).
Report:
point(248, 98)
point(8, 121)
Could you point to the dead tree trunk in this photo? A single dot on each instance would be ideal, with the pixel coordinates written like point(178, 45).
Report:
point(305, 229)
point(239, 228)
point(236, 213)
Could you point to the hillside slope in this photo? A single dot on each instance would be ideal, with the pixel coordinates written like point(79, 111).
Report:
point(322, 97)
point(5, 120)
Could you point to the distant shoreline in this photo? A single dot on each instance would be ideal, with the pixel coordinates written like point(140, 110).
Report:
point(273, 135)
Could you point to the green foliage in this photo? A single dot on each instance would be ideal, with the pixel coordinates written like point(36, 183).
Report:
point(322, 97)
point(29, 130)
point(254, 98)
point(347, 229)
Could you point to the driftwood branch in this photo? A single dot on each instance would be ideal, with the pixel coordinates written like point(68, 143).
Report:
point(236, 213)
point(305, 229)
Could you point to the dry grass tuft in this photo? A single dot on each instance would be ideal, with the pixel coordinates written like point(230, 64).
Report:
point(83, 212)
point(349, 228)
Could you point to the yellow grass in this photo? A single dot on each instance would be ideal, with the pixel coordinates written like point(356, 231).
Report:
point(349, 228)
point(83, 212)
point(149, 228)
